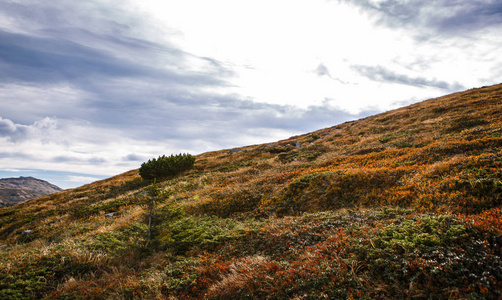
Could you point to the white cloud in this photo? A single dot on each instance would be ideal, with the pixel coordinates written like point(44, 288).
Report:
point(11, 170)
point(274, 46)
point(80, 179)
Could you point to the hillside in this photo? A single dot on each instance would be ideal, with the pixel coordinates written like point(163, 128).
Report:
point(404, 204)
point(16, 190)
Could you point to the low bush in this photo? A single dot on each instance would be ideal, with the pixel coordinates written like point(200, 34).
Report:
point(389, 137)
point(465, 123)
point(40, 273)
point(178, 231)
point(230, 203)
point(166, 166)
point(336, 189)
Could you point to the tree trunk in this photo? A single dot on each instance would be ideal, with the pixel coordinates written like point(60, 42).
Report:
point(150, 220)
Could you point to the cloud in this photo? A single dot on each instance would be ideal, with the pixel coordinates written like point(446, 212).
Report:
point(133, 157)
point(94, 51)
point(78, 160)
point(12, 131)
point(45, 130)
point(10, 170)
point(79, 179)
point(381, 74)
point(7, 127)
point(89, 63)
point(50, 60)
point(449, 18)
point(188, 118)
point(322, 70)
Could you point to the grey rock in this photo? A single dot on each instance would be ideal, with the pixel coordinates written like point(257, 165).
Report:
point(109, 215)
point(26, 232)
point(234, 150)
point(295, 144)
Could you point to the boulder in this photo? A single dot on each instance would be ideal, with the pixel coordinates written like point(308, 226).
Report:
point(295, 144)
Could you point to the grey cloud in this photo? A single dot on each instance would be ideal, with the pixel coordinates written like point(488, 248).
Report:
point(96, 161)
point(133, 157)
point(322, 70)
point(62, 159)
point(379, 73)
point(86, 44)
point(121, 81)
point(45, 130)
point(221, 120)
point(49, 60)
point(7, 127)
point(443, 17)
point(127, 82)
point(11, 130)
point(67, 14)
point(229, 120)
point(76, 160)
point(468, 15)
point(16, 155)
point(123, 77)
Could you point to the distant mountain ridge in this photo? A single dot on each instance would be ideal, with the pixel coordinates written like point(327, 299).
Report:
point(16, 190)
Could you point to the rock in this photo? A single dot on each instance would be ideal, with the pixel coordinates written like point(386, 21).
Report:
point(295, 144)
point(3, 246)
point(26, 232)
point(234, 150)
point(109, 215)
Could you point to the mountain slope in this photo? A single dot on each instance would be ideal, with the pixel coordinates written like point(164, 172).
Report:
point(16, 190)
point(404, 204)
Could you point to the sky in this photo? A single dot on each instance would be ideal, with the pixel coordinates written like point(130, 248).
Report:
point(91, 89)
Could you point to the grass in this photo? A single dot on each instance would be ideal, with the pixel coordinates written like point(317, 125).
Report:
point(405, 204)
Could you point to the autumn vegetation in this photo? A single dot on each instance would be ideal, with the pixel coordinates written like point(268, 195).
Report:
point(406, 204)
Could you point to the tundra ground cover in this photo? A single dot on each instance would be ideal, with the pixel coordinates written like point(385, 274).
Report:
point(405, 204)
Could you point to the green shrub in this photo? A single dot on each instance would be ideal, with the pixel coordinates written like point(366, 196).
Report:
point(166, 166)
point(230, 203)
point(392, 136)
point(465, 123)
point(308, 153)
point(179, 231)
point(334, 190)
point(437, 255)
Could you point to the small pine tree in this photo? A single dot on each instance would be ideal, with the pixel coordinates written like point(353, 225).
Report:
point(166, 166)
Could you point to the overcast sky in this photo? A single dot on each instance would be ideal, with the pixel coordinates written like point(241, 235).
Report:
point(90, 89)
